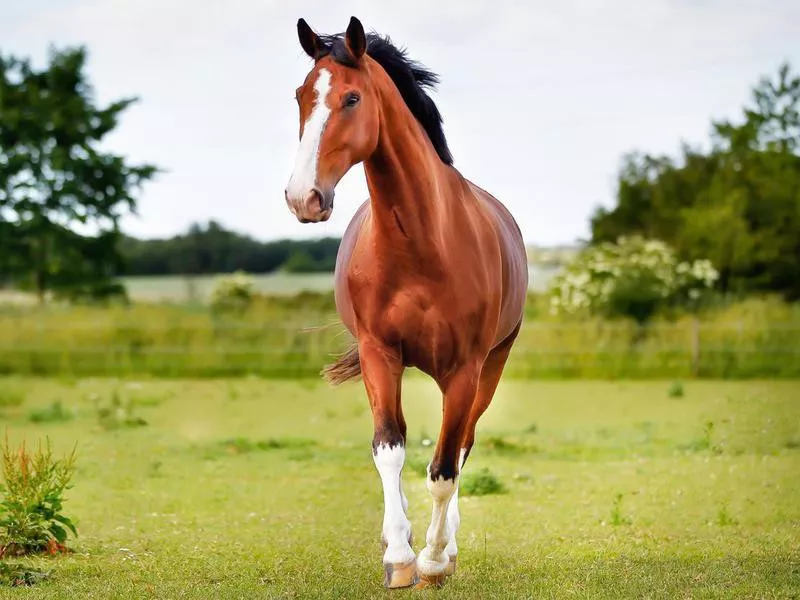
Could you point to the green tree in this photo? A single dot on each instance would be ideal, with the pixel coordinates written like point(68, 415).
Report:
point(61, 196)
point(737, 205)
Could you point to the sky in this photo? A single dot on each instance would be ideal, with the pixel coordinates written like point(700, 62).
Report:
point(540, 100)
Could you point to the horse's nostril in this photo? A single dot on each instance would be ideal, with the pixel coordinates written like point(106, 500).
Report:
point(314, 201)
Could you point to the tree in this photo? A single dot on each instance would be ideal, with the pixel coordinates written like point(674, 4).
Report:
point(737, 205)
point(61, 196)
point(210, 249)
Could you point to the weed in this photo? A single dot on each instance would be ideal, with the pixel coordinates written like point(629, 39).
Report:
point(481, 483)
point(54, 413)
point(17, 575)
point(31, 518)
point(705, 441)
point(117, 413)
point(532, 428)
point(724, 517)
point(792, 444)
point(617, 516)
point(675, 390)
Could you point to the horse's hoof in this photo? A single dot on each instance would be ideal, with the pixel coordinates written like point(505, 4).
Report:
point(450, 569)
point(399, 575)
point(434, 581)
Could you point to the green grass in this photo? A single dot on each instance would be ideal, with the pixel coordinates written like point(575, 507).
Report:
point(256, 488)
point(288, 337)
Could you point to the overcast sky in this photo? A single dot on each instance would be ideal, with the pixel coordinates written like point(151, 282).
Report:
point(539, 101)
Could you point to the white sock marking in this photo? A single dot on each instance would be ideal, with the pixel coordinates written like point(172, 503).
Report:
point(433, 560)
point(453, 517)
point(304, 174)
point(396, 526)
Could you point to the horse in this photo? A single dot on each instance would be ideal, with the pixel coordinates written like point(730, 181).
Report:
point(431, 271)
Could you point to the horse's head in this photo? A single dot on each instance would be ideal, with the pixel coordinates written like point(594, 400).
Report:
point(339, 118)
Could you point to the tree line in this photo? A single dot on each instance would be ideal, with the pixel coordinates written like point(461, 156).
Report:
point(210, 248)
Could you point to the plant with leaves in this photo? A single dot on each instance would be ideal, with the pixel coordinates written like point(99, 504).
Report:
point(31, 508)
point(56, 183)
point(737, 205)
point(631, 278)
point(232, 293)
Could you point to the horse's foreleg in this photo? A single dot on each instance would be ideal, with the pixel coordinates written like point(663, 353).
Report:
point(382, 370)
point(442, 481)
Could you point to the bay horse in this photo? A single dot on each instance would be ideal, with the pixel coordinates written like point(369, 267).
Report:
point(431, 271)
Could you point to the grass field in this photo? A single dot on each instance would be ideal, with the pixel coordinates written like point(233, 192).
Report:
point(253, 488)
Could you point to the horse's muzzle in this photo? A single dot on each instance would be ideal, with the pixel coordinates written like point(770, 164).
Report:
point(314, 207)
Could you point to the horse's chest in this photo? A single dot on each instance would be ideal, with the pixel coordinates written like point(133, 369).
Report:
point(430, 329)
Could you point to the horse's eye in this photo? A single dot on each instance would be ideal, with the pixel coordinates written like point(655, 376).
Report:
point(351, 100)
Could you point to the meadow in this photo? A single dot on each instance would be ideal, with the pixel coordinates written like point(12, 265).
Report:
point(293, 336)
point(261, 488)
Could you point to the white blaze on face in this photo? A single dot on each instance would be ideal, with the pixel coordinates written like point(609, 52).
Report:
point(304, 175)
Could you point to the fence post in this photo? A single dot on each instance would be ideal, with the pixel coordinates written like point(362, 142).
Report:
point(695, 346)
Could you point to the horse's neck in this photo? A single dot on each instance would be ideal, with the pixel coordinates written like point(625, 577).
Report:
point(410, 187)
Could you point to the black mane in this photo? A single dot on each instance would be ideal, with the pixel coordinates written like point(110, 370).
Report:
point(411, 78)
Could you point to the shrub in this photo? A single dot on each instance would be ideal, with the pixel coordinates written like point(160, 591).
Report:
point(481, 483)
point(675, 390)
point(31, 517)
point(633, 278)
point(233, 293)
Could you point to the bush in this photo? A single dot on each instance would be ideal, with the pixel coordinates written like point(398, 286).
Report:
point(31, 518)
point(675, 390)
point(232, 293)
point(481, 483)
point(633, 278)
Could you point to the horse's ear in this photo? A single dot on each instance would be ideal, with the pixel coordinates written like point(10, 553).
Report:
point(355, 39)
point(308, 39)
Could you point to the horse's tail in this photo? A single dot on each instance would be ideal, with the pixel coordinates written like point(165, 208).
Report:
point(345, 368)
